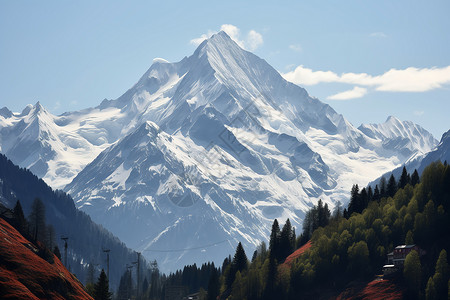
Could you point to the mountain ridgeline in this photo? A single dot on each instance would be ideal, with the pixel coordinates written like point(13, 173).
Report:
point(87, 240)
point(216, 145)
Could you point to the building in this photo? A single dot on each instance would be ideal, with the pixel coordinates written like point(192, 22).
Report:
point(400, 252)
point(396, 259)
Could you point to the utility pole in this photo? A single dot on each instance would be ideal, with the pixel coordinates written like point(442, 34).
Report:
point(64, 238)
point(138, 269)
point(107, 261)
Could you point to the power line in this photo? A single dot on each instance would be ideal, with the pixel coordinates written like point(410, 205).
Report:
point(187, 249)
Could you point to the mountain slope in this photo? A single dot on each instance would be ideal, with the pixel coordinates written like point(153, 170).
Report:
point(86, 239)
point(25, 275)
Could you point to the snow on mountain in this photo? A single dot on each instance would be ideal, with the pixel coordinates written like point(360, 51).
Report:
point(205, 152)
point(440, 153)
point(405, 137)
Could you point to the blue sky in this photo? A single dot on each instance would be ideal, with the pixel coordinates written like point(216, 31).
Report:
point(367, 59)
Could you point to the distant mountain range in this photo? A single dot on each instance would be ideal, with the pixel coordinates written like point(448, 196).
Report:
point(205, 152)
point(440, 153)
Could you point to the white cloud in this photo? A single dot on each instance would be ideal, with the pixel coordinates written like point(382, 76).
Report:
point(418, 113)
point(296, 48)
point(378, 35)
point(407, 80)
point(356, 92)
point(254, 40)
point(251, 41)
point(200, 39)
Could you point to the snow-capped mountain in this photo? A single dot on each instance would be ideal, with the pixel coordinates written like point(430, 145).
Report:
point(440, 153)
point(207, 151)
point(405, 137)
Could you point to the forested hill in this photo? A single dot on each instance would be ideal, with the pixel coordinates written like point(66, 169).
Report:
point(87, 240)
point(347, 249)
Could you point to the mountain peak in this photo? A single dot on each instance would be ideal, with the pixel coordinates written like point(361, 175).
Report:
point(392, 119)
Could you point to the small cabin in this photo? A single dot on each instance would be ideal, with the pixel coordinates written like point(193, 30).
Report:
point(400, 252)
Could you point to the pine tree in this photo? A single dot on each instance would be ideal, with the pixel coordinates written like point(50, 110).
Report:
point(354, 200)
point(214, 284)
point(430, 291)
point(441, 275)
point(101, 288)
point(376, 193)
point(409, 238)
point(37, 220)
point(20, 222)
point(369, 193)
point(240, 261)
point(415, 179)
point(274, 241)
point(363, 200)
point(125, 286)
point(286, 245)
point(404, 178)
point(391, 186)
point(412, 273)
point(383, 187)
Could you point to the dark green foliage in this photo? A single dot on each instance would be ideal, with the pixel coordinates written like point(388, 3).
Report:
point(274, 241)
point(191, 277)
point(37, 220)
point(412, 273)
point(391, 188)
point(318, 216)
point(125, 286)
point(214, 285)
point(404, 179)
point(240, 261)
point(287, 241)
point(430, 291)
point(101, 288)
point(441, 275)
point(19, 222)
point(376, 194)
point(383, 187)
point(415, 178)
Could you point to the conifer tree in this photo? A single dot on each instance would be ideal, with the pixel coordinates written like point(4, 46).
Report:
point(21, 223)
point(412, 273)
point(37, 220)
point(363, 200)
point(376, 193)
point(404, 179)
point(286, 244)
point(383, 187)
point(274, 241)
point(441, 275)
point(240, 261)
point(125, 286)
point(391, 186)
point(430, 291)
point(214, 285)
point(415, 179)
point(101, 288)
point(354, 200)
